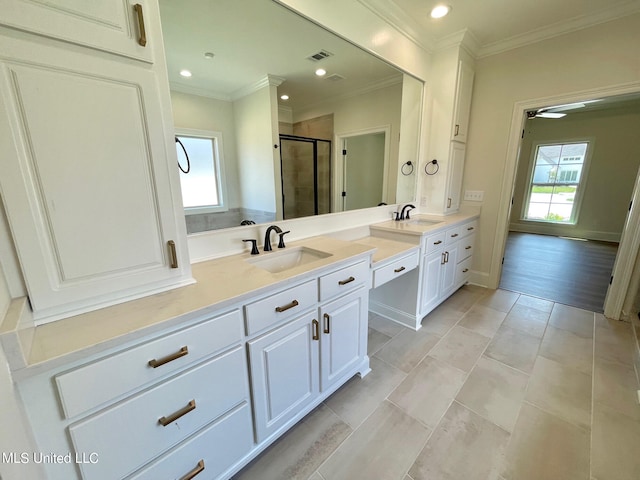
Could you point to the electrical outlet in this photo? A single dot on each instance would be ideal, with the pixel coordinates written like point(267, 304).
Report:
point(423, 201)
point(474, 195)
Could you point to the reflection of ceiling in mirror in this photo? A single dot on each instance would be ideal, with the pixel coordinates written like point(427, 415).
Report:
point(253, 38)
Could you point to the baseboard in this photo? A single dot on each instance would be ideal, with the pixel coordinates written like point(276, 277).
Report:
point(635, 329)
point(480, 279)
point(395, 315)
point(565, 231)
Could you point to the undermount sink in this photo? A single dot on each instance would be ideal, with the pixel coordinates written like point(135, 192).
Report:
point(423, 221)
point(282, 260)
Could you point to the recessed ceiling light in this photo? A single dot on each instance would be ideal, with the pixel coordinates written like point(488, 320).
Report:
point(440, 11)
point(209, 55)
point(320, 72)
point(284, 97)
point(185, 73)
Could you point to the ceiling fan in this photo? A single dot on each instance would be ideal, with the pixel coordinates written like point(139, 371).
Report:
point(556, 111)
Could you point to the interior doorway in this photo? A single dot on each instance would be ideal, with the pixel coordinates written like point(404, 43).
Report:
point(523, 112)
point(361, 176)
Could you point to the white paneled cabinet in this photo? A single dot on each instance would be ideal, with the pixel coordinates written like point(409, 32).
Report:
point(446, 256)
point(462, 102)
point(88, 185)
point(210, 395)
point(113, 26)
point(454, 179)
point(285, 373)
point(342, 337)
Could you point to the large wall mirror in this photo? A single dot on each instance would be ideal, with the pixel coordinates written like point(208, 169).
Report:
point(269, 138)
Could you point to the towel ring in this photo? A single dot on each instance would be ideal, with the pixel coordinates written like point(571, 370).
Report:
point(188, 169)
point(434, 170)
point(408, 164)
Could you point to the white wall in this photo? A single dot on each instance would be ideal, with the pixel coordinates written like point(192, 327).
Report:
point(600, 57)
point(254, 135)
point(611, 174)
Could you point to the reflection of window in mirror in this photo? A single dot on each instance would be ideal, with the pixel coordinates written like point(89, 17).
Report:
point(203, 187)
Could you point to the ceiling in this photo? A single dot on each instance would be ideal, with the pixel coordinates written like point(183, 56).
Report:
point(253, 38)
point(498, 25)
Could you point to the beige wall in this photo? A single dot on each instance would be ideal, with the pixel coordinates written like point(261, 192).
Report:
point(596, 58)
point(613, 167)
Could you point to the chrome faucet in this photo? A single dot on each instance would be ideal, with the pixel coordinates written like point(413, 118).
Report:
point(408, 207)
point(267, 236)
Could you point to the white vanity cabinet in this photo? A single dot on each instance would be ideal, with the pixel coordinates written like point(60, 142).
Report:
point(305, 356)
point(165, 398)
point(89, 184)
point(444, 266)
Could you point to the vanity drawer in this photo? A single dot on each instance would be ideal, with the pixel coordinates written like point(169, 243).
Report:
point(344, 280)
point(129, 434)
point(92, 385)
point(469, 228)
point(466, 247)
point(270, 311)
point(463, 271)
point(399, 267)
point(453, 235)
point(434, 242)
point(216, 448)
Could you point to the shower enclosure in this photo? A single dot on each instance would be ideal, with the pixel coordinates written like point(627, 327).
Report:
point(306, 176)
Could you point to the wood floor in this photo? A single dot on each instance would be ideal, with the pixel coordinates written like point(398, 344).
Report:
point(571, 272)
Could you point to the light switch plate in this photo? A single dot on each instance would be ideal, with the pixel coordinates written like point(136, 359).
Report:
point(474, 195)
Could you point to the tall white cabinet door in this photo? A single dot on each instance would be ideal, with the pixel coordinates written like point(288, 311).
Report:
point(112, 26)
point(343, 339)
point(430, 272)
point(284, 369)
point(456, 171)
point(86, 181)
point(462, 106)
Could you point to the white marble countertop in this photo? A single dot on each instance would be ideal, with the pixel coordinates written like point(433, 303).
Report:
point(221, 283)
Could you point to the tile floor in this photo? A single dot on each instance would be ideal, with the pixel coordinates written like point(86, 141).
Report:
point(496, 385)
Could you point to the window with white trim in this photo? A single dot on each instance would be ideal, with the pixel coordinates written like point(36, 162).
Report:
point(203, 188)
point(556, 182)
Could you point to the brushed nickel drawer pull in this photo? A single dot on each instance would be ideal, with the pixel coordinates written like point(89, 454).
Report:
point(286, 307)
point(465, 270)
point(198, 468)
point(314, 329)
point(164, 421)
point(142, 40)
point(454, 235)
point(467, 247)
point(169, 358)
point(327, 323)
point(398, 270)
point(348, 280)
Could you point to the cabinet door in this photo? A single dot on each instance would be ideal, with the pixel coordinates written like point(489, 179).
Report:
point(284, 372)
point(86, 180)
point(430, 272)
point(112, 26)
point(343, 338)
point(449, 270)
point(462, 106)
point(456, 170)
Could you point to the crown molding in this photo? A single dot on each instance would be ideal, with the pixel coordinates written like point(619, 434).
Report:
point(268, 80)
point(463, 38)
point(560, 28)
point(200, 92)
point(395, 16)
